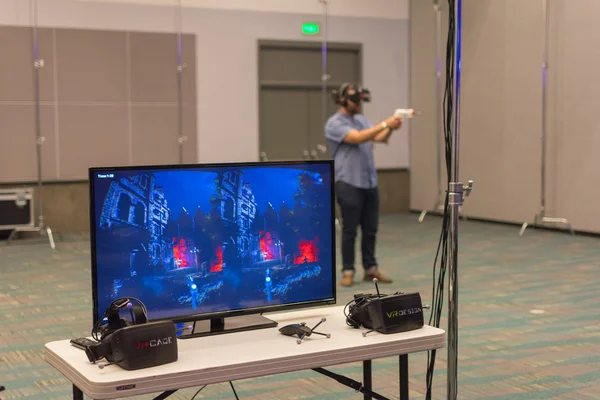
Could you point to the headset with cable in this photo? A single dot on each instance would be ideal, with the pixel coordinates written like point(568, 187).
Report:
point(340, 96)
point(356, 311)
point(138, 314)
point(112, 322)
point(135, 343)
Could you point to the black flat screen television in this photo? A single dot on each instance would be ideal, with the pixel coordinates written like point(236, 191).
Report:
point(217, 243)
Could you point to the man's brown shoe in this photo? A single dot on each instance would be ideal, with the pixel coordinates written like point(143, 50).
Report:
point(381, 278)
point(346, 280)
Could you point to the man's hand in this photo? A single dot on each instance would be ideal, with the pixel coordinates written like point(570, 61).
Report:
point(374, 133)
point(393, 122)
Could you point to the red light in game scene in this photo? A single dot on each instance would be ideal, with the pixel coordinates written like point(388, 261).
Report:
point(179, 249)
point(218, 266)
point(266, 246)
point(308, 252)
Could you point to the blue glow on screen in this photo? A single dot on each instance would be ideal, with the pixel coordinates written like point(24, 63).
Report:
point(212, 239)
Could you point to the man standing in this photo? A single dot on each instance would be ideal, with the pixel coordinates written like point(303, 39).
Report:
point(350, 136)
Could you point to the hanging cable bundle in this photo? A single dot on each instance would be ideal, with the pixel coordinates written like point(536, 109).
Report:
point(443, 248)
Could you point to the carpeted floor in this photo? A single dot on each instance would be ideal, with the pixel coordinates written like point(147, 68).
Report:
point(529, 316)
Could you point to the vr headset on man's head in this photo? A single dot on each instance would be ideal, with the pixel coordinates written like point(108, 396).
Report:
point(341, 96)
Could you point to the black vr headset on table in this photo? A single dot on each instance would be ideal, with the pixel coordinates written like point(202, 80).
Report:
point(132, 344)
point(393, 313)
point(341, 97)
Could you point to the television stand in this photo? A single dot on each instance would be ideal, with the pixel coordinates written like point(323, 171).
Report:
point(217, 326)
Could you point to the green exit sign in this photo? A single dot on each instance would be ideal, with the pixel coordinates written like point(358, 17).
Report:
point(310, 28)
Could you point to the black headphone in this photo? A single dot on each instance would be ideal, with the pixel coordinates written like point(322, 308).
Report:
point(356, 310)
point(138, 314)
point(102, 332)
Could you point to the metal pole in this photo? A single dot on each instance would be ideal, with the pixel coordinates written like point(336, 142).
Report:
point(540, 218)
point(324, 79)
point(439, 205)
point(324, 76)
point(456, 191)
point(39, 139)
point(544, 102)
point(181, 139)
point(439, 100)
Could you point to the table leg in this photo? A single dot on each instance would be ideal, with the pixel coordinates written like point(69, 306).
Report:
point(403, 377)
point(367, 379)
point(77, 393)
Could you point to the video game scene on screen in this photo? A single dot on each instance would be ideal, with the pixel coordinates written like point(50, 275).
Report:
point(200, 241)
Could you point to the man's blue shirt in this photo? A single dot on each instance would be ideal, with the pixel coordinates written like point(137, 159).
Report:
point(354, 163)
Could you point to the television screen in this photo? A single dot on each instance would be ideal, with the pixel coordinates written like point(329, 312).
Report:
point(207, 240)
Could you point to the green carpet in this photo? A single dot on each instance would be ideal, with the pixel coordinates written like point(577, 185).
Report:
point(506, 351)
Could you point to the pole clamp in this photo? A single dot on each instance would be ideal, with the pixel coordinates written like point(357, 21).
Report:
point(457, 192)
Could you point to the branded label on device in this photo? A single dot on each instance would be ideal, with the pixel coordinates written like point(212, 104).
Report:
point(400, 313)
point(145, 345)
point(154, 343)
point(397, 313)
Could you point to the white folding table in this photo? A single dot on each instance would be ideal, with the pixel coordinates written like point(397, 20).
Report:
point(241, 355)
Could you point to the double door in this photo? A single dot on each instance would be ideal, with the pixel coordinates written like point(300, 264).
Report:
point(293, 108)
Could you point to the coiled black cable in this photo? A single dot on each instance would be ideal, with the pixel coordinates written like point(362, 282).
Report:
point(443, 248)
